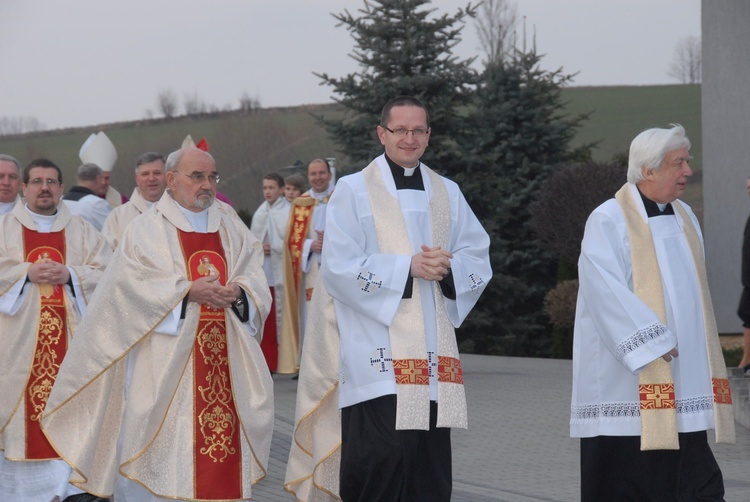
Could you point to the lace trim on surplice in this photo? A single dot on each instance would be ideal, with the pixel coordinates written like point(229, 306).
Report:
point(579, 414)
point(639, 339)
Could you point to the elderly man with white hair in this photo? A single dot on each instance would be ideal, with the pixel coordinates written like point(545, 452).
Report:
point(167, 395)
point(648, 374)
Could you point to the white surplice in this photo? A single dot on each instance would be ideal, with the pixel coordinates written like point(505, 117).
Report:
point(616, 334)
point(269, 225)
point(366, 303)
point(91, 208)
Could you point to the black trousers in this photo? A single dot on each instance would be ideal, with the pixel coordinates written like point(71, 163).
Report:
point(613, 468)
point(379, 463)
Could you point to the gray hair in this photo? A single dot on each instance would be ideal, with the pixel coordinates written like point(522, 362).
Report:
point(649, 148)
point(147, 158)
point(174, 158)
point(8, 158)
point(89, 172)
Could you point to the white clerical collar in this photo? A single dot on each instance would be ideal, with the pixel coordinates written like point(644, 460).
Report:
point(6, 207)
point(662, 206)
point(151, 204)
point(43, 222)
point(199, 221)
point(409, 171)
point(320, 196)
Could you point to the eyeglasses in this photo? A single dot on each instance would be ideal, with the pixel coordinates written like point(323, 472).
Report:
point(39, 182)
point(401, 132)
point(199, 178)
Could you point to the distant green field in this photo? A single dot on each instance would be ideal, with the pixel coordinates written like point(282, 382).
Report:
point(246, 146)
point(618, 114)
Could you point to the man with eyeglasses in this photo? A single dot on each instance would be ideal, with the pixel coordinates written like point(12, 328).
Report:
point(10, 182)
point(649, 377)
point(303, 244)
point(150, 181)
point(82, 200)
point(173, 344)
point(50, 263)
point(404, 262)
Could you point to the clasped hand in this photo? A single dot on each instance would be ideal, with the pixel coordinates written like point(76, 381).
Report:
point(670, 355)
point(432, 264)
point(48, 272)
point(209, 291)
point(317, 244)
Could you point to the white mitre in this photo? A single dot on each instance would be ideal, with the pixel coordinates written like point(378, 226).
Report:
point(99, 150)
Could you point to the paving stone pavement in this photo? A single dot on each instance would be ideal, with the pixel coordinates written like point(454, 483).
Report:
point(517, 447)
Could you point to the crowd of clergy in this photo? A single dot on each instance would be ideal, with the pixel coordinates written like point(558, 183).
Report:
point(55, 250)
point(141, 334)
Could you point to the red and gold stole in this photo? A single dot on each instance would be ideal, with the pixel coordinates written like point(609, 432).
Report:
point(299, 226)
point(217, 450)
point(51, 340)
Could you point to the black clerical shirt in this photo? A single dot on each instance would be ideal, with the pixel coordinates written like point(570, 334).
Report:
point(404, 182)
point(652, 208)
point(415, 182)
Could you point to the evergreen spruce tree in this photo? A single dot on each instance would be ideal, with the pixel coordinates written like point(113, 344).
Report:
point(403, 48)
point(516, 134)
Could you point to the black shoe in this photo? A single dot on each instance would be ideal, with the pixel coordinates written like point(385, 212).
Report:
point(84, 497)
point(295, 377)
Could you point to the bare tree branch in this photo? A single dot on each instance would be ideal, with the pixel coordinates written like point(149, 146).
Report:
point(686, 66)
point(167, 103)
point(194, 104)
point(495, 24)
point(19, 125)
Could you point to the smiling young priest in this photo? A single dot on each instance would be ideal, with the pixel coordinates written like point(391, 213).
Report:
point(404, 261)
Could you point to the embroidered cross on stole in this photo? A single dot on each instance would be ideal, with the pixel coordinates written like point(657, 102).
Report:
point(656, 385)
point(51, 340)
point(408, 345)
point(217, 450)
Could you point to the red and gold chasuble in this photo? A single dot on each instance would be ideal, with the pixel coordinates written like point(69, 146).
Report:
point(51, 340)
point(216, 449)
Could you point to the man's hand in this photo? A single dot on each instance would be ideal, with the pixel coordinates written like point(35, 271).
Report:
point(266, 248)
point(670, 355)
point(48, 272)
point(431, 264)
point(317, 245)
point(208, 291)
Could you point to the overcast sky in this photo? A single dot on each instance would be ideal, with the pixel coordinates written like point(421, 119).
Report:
point(85, 62)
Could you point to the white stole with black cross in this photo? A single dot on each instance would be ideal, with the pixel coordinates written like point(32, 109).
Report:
point(407, 332)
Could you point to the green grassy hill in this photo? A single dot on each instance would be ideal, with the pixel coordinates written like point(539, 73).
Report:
point(618, 114)
point(246, 146)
